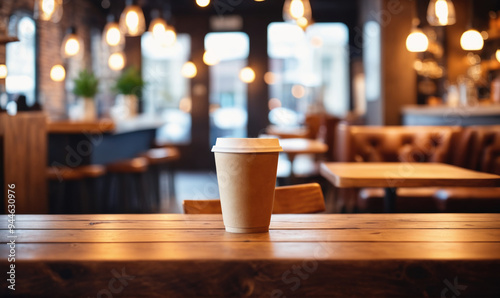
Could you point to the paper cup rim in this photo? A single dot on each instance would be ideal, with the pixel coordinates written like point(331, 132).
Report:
point(247, 145)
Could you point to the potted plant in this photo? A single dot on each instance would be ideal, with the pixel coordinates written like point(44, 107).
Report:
point(129, 86)
point(86, 85)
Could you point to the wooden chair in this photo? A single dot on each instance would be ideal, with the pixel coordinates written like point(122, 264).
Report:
point(301, 198)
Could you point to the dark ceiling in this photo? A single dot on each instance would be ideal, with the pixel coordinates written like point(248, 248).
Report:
point(323, 10)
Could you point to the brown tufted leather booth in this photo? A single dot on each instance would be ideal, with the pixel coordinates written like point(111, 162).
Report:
point(476, 148)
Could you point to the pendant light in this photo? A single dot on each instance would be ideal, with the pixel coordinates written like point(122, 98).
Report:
point(162, 33)
point(49, 10)
point(72, 45)
point(471, 39)
point(57, 73)
point(112, 36)
point(297, 11)
point(132, 21)
point(417, 41)
point(441, 13)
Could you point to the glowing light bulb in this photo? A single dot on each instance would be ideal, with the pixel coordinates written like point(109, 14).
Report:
point(189, 70)
point(57, 73)
point(132, 21)
point(113, 36)
point(471, 40)
point(3, 71)
point(297, 9)
point(48, 7)
point(116, 61)
point(203, 3)
point(49, 10)
point(417, 42)
point(72, 46)
point(497, 55)
point(441, 13)
point(247, 75)
point(210, 58)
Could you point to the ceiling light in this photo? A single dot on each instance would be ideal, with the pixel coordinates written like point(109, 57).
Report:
point(472, 40)
point(441, 13)
point(132, 21)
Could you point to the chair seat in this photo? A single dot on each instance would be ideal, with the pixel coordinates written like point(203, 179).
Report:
point(468, 199)
point(134, 165)
point(408, 199)
point(161, 155)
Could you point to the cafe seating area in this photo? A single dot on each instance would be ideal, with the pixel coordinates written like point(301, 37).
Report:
point(257, 148)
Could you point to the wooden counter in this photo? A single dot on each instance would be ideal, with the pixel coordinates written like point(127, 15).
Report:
point(76, 143)
point(327, 255)
point(142, 122)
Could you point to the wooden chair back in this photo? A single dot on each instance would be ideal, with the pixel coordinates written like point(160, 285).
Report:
point(302, 198)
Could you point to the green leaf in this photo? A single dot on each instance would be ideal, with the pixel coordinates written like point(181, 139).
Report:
point(86, 84)
point(130, 82)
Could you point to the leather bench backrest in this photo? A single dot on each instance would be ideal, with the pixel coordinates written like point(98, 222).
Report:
point(479, 149)
point(395, 143)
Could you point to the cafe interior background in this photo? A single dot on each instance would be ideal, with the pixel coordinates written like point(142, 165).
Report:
point(234, 68)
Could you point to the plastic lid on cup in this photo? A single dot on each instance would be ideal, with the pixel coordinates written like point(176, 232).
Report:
point(246, 145)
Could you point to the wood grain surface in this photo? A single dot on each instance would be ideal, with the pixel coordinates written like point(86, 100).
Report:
point(368, 174)
point(23, 139)
point(180, 255)
point(77, 127)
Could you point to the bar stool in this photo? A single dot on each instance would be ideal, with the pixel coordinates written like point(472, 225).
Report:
point(160, 160)
point(127, 187)
point(75, 190)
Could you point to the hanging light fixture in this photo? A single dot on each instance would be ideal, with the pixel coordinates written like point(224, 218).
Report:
point(441, 13)
point(116, 61)
point(472, 40)
point(49, 10)
point(72, 45)
point(202, 3)
point(3, 71)
point(57, 73)
point(162, 33)
point(189, 70)
point(132, 21)
point(112, 36)
point(417, 41)
point(298, 11)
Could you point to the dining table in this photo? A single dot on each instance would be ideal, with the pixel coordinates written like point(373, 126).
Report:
point(295, 146)
point(392, 175)
point(302, 255)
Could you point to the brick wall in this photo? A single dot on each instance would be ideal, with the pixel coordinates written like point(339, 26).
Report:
point(82, 14)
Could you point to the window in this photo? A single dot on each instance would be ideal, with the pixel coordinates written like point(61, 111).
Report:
point(228, 94)
point(21, 63)
point(309, 71)
point(167, 92)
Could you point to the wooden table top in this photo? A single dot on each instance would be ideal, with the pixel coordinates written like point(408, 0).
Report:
point(302, 255)
point(386, 174)
point(287, 132)
point(303, 146)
